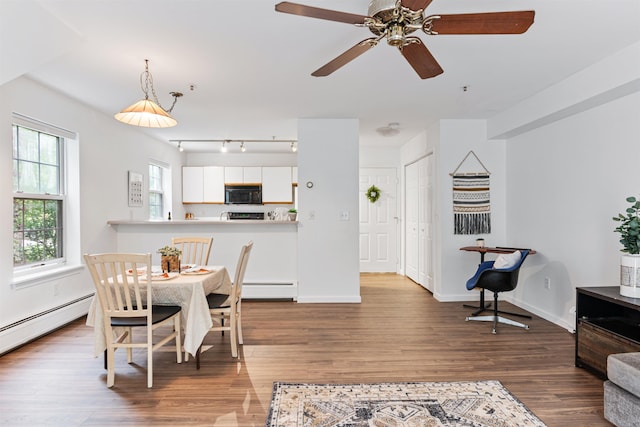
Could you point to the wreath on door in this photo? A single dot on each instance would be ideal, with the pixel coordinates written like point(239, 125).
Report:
point(373, 194)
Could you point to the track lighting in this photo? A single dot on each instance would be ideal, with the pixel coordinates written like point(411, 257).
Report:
point(180, 147)
point(227, 145)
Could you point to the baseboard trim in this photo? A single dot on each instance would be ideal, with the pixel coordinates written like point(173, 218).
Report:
point(329, 299)
point(33, 327)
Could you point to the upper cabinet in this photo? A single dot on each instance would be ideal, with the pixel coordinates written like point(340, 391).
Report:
point(242, 175)
point(192, 184)
point(213, 183)
point(202, 184)
point(252, 174)
point(205, 184)
point(276, 184)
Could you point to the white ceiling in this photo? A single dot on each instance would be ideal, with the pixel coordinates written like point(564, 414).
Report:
point(251, 65)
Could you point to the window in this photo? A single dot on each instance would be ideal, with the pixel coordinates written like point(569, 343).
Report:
point(156, 194)
point(38, 199)
point(159, 190)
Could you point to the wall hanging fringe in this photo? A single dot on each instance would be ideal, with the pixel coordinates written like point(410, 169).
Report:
point(471, 200)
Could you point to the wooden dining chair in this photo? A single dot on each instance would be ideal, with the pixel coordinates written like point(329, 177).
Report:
point(225, 310)
point(195, 250)
point(123, 288)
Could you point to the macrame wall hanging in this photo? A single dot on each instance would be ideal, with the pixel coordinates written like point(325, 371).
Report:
point(471, 202)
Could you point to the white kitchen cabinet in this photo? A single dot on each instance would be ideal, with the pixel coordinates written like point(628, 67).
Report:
point(213, 184)
point(242, 175)
point(252, 174)
point(294, 174)
point(202, 184)
point(233, 175)
point(276, 185)
point(192, 184)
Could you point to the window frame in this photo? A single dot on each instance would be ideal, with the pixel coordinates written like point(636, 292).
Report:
point(165, 192)
point(19, 121)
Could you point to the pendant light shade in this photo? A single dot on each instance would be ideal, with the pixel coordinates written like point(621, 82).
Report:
point(148, 113)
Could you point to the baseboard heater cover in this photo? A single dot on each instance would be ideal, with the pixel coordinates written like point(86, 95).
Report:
point(269, 290)
point(33, 327)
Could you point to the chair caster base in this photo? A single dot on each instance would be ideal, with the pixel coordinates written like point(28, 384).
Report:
point(496, 320)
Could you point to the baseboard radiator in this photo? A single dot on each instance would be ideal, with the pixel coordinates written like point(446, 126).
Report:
point(33, 327)
point(270, 290)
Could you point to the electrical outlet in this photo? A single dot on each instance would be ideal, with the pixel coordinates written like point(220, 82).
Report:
point(547, 283)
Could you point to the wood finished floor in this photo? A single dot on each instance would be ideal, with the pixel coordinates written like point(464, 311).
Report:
point(398, 333)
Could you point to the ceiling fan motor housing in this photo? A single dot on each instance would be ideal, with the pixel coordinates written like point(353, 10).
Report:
point(394, 19)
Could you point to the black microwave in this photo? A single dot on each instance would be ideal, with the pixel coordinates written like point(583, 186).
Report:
point(242, 194)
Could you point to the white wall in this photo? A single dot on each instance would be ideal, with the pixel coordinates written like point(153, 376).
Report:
point(569, 158)
point(379, 157)
point(328, 246)
point(566, 181)
point(107, 151)
point(457, 138)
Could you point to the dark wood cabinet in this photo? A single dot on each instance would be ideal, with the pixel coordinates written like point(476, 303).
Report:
point(606, 323)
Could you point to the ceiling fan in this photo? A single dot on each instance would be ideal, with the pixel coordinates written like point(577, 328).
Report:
point(396, 19)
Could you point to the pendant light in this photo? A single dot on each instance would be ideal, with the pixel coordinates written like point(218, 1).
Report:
point(148, 113)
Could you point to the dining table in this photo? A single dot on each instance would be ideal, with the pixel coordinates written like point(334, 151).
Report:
point(189, 291)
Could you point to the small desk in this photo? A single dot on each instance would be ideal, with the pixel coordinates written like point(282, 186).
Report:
point(484, 250)
point(189, 292)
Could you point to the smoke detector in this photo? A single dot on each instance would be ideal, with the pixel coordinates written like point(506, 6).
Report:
point(392, 129)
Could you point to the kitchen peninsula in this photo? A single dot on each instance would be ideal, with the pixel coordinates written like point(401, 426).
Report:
point(272, 271)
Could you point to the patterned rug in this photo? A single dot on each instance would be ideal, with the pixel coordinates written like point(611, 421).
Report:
point(477, 404)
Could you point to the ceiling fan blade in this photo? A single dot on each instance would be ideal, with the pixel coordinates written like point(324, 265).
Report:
point(346, 57)
point(421, 59)
point(481, 23)
point(316, 12)
point(416, 4)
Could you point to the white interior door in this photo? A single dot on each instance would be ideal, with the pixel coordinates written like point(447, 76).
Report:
point(423, 173)
point(412, 238)
point(379, 221)
point(419, 229)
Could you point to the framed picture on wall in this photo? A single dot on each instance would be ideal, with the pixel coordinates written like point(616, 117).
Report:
point(136, 184)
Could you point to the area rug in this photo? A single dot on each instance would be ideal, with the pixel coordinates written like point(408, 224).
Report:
point(414, 404)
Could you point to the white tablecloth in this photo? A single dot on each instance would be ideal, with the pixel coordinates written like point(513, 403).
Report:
point(187, 291)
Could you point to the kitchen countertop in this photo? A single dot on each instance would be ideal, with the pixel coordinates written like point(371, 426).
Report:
point(203, 221)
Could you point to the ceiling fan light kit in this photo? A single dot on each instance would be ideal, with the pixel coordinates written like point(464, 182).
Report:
point(146, 112)
point(396, 19)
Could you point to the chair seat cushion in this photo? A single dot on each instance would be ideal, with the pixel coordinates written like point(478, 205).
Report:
point(159, 313)
point(218, 300)
point(471, 283)
point(507, 260)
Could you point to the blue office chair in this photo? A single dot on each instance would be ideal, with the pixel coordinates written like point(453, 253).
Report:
point(497, 280)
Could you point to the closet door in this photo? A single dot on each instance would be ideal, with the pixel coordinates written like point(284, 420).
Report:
point(412, 209)
point(419, 228)
point(425, 221)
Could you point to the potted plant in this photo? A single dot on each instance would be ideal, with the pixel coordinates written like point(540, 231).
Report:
point(293, 214)
point(629, 230)
point(170, 259)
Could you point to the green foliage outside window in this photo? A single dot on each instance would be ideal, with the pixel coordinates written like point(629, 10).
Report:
point(36, 230)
